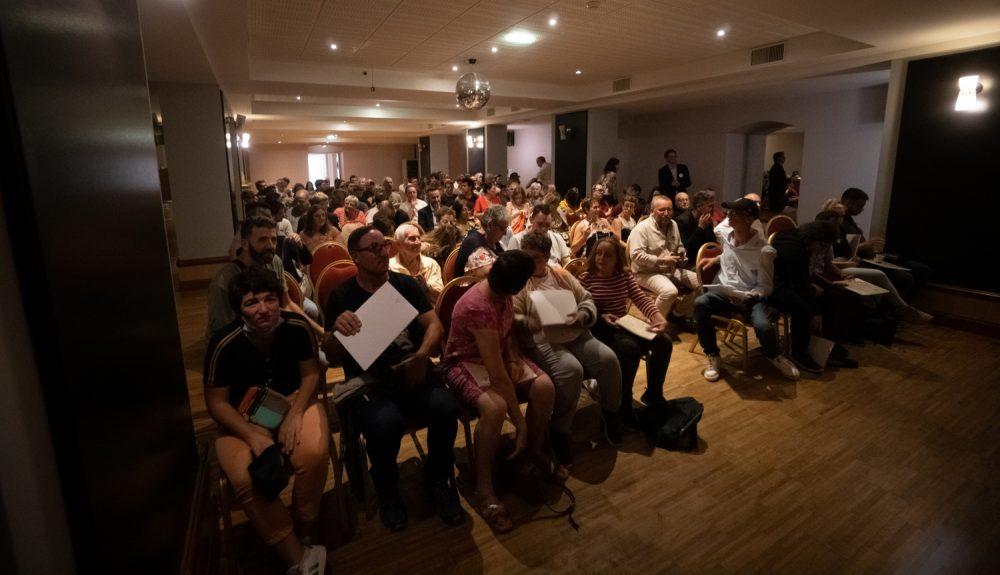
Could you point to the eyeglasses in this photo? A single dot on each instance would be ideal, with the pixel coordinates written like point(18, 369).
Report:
point(377, 249)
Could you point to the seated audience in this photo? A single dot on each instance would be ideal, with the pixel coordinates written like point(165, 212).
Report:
point(490, 198)
point(695, 224)
point(746, 270)
point(409, 261)
point(568, 353)
point(427, 216)
point(541, 223)
point(682, 203)
point(487, 371)
point(518, 210)
point(494, 226)
point(585, 232)
point(479, 263)
point(463, 216)
point(317, 229)
point(300, 205)
point(623, 224)
point(266, 347)
point(570, 209)
point(412, 205)
point(600, 198)
point(612, 287)
point(400, 388)
point(349, 213)
point(657, 255)
point(445, 237)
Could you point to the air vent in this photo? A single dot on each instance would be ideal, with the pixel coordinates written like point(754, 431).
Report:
point(767, 54)
point(621, 84)
point(491, 112)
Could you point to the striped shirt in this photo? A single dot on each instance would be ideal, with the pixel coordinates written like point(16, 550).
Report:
point(611, 294)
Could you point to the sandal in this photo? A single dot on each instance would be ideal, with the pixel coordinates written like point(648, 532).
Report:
point(495, 515)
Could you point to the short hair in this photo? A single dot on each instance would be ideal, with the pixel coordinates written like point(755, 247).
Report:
point(828, 216)
point(355, 238)
point(854, 194)
point(572, 196)
point(384, 224)
point(777, 155)
point(618, 248)
point(537, 243)
point(823, 231)
point(467, 180)
point(494, 214)
point(318, 198)
point(542, 158)
point(255, 222)
point(255, 279)
point(702, 197)
point(510, 272)
point(541, 208)
point(403, 229)
point(668, 152)
point(351, 199)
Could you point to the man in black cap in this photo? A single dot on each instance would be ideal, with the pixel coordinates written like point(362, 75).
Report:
point(744, 281)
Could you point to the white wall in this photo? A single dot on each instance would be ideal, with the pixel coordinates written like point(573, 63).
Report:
point(269, 162)
point(439, 153)
point(602, 143)
point(530, 141)
point(195, 143)
point(842, 141)
point(791, 143)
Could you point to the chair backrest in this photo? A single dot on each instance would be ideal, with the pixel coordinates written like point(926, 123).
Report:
point(707, 250)
point(448, 272)
point(330, 278)
point(453, 291)
point(576, 267)
point(294, 291)
point(779, 224)
point(325, 254)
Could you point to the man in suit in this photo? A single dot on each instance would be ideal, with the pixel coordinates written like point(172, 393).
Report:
point(674, 177)
point(776, 184)
point(427, 215)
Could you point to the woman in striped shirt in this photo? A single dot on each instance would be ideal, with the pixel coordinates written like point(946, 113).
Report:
point(612, 287)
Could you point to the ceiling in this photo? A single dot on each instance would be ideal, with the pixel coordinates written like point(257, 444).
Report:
point(274, 62)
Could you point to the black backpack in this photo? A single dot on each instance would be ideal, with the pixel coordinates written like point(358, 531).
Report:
point(674, 424)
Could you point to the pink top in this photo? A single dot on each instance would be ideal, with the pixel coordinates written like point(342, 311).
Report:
point(484, 202)
point(359, 217)
point(475, 311)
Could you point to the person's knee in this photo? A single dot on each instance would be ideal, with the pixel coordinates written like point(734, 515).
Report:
point(386, 424)
point(492, 408)
point(442, 405)
point(542, 389)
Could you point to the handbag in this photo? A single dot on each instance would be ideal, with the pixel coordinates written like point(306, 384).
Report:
point(674, 424)
point(264, 407)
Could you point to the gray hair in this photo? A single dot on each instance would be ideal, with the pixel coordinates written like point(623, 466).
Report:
point(494, 214)
point(403, 229)
point(352, 200)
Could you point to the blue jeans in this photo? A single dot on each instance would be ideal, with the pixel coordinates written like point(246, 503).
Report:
point(709, 304)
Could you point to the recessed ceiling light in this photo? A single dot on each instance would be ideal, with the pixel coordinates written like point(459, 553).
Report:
point(578, 72)
point(494, 49)
point(454, 68)
point(298, 97)
point(720, 33)
point(333, 46)
point(553, 21)
point(279, 141)
point(457, 106)
point(378, 105)
point(519, 37)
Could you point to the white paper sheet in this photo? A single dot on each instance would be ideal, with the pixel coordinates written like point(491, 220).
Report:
point(886, 265)
point(635, 326)
point(553, 306)
point(861, 287)
point(819, 349)
point(383, 317)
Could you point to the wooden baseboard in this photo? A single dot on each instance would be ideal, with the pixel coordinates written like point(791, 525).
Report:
point(966, 324)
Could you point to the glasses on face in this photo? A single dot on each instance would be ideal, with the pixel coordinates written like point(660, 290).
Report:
point(377, 249)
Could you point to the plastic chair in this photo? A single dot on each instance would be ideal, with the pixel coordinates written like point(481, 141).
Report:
point(576, 266)
point(294, 291)
point(448, 271)
point(325, 254)
point(778, 224)
point(330, 278)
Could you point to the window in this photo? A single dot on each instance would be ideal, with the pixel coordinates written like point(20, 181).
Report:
point(318, 167)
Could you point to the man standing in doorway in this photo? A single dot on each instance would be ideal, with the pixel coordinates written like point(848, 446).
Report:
point(674, 177)
point(776, 184)
point(544, 171)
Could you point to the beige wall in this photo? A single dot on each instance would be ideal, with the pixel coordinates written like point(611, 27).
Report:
point(272, 161)
point(376, 161)
point(458, 160)
point(788, 142)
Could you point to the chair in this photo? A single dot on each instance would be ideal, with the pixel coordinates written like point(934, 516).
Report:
point(325, 254)
point(330, 278)
point(576, 266)
point(448, 271)
point(294, 291)
point(778, 224)
point(452, 292)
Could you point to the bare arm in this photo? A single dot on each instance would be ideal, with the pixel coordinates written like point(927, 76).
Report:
point(491, 352)
point(217, 402)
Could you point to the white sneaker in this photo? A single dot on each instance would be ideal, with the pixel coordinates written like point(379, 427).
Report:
point(313, 562)
point(786, 367)
point(713, 368)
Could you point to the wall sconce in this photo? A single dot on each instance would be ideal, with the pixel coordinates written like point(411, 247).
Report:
point(245, 140)
point(474, 142)
point(968, 88)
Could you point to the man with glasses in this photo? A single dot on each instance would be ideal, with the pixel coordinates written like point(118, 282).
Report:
point(541, 224)
point(401, 388)
point(494, 224)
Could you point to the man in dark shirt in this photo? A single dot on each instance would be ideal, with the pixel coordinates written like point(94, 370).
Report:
point(494, 223)
point(777, 184)
point(695, 224)
point(401, 387)
point(673, 177)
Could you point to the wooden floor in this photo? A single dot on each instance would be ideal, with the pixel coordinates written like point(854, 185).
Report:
point(893, 467)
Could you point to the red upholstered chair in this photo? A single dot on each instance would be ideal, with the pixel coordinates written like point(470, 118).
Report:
point(453, 291)
point(779, 224)
point(325, 254)
point(576, 267)
point(448, 272)
point(332, 276)
point(294, 291)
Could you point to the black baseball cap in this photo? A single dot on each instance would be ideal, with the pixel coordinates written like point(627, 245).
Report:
point(743, 206)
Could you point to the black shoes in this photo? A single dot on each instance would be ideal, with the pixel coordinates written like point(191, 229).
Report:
point(628, 420)
point(393, 514)
point(613, 428)
point(444, 494)
point(561, 448)
point(806, 363)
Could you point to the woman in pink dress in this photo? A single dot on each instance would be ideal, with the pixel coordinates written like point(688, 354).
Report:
point(487, 372)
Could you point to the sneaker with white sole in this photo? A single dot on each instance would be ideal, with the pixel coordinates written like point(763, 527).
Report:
point(313, 562)
point(786, 367)
point(713, 369)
